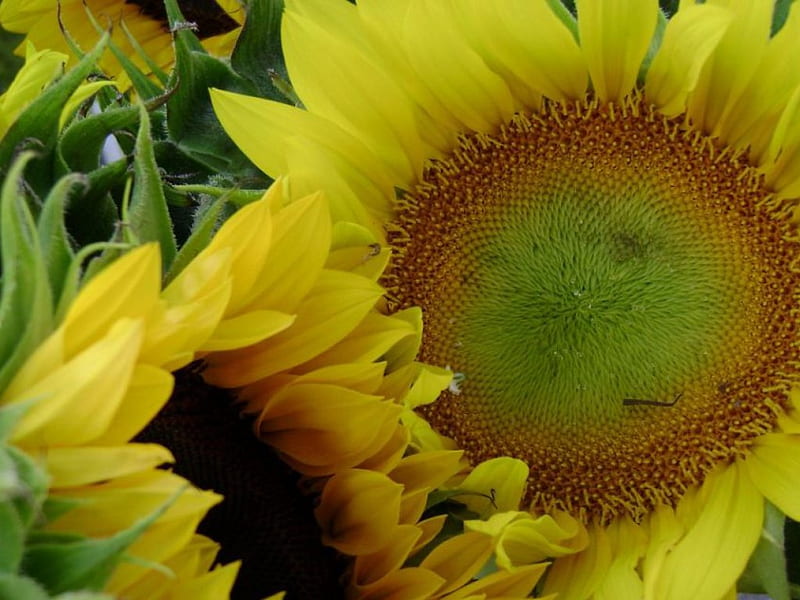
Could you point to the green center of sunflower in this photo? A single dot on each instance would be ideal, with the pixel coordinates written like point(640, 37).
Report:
point(611, 292)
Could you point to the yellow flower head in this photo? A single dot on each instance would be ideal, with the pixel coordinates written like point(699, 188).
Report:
point(596, 217)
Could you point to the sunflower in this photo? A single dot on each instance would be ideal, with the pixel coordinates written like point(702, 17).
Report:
point(140, 29)
point(596, 215)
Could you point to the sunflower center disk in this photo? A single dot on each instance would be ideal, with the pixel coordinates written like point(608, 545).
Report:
point(613, 295)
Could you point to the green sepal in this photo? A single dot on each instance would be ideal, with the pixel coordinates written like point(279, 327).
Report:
point(202, 233)
point(54, 507)
point(83, 595)
point(81, 144)
point(191, 122)
point(151, 64)
point(235, 196)
point(42, 538)
point(10, 414)
point(19, 587)
point(53, 237)
point(258, 55)
point(40, 120)
point(148, 216)
point(766, 570)
point(82, 564)
point(97, 202)
point(35, 482)
point(13, 537)
point(143, 86)
point(779, 14)
point(566, 14)
point(26, 304)
point(655, 45)
point(184, 36)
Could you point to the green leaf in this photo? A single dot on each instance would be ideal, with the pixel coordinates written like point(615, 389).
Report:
point(56, 249)
point(39, 120)
point(26, 309)
point(766, 570)
point(147, 215)
point(85, 564)
point(258, 54)
point(18, 587)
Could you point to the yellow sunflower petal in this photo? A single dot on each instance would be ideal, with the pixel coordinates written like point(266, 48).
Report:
point(774, 466)
point(369, 568)
point(752, 120)
point(246, 330)
point(512, 584)
point(731, 65)
point(430, 528)
point(615, 36)
point(358, 511)
point(191, 562)
point(362, 98)
point(466, 87)
point(495, 485)
point(262, 129)
point(328, 426)
point(247, 236)
point(412, 506)
point(577, 576)
point(128, 287)
point(148, 391)
point(664, 530)
point(427, 469)
point(690, 37)
point(522, 539)
point(334, 307)
point(76, 403)
point(210, 586)
point(459, 558)
point(412, 583)
point(388, 457)
point(782, 157)
point(728, 496)
point(628, 542)
point(533, 49)
point(111, 506)
point(69, 467)
point(371, 340)
point(300, 242)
